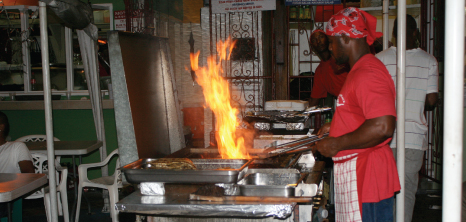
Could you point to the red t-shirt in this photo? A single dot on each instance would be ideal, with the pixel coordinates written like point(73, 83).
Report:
point(326, 81)
point(369, 92)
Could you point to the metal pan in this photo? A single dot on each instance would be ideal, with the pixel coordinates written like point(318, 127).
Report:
point(208, 171)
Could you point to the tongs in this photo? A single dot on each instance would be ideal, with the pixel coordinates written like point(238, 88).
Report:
point(296, 146)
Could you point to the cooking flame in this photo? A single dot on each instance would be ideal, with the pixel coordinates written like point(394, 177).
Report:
point(217, 95)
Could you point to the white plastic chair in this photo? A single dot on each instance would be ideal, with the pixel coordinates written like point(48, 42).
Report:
point(41, 166)
point(110, 183)
point(35, 138)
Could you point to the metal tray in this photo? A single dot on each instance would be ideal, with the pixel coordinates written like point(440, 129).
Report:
point(208, 171)
point(269, 184)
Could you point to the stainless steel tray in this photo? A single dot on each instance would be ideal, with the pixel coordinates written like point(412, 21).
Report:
point(268, 184)
point(208, 171)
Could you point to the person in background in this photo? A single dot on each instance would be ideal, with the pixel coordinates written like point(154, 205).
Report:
point(366, 177)
point(14, 156)
point(421, 95)
point(329, 77)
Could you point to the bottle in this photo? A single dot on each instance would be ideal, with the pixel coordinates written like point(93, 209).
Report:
point(33, 82)
point(328, 117)
point(307, 12)
point(301, 13)
point(293, 12)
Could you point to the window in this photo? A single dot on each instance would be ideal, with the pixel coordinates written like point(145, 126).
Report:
point(20, 54)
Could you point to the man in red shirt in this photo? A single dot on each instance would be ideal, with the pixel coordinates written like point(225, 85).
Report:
point(329, 77)
point(366, 178)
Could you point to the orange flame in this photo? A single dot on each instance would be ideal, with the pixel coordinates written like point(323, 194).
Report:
point(217, 95)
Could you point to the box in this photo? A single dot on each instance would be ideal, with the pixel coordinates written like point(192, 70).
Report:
point(287, 105)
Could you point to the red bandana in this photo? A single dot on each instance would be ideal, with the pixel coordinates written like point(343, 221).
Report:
point(354, 23)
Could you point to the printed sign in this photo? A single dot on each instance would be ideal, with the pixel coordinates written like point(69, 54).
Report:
point(224, 6)
point(312, 2)
point(120, 20)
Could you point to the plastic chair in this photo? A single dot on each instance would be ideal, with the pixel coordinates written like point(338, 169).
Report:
point(41, 166)
point(34, 138)
point(110, 183)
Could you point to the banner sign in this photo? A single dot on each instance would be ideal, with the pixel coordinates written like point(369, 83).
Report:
point(224, 6)
point(312, 2)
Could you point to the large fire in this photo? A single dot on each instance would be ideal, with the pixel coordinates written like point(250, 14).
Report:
point(217, 95)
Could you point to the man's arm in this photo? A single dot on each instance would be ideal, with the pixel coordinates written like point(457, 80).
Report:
point(371, 133)
point(26, 166)
point(431, 101)
point(313, 101)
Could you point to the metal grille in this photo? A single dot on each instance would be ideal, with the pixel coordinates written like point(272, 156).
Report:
point(147, 16)
point(244, 71)
point(432, 41)
point(303, 61)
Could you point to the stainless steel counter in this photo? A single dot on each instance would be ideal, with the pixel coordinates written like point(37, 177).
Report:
point(176, 203)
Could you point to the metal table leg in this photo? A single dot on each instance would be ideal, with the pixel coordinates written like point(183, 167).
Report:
point(9, 212)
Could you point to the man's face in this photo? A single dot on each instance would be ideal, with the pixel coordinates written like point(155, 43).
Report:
point(319, 42)
point(337, 49)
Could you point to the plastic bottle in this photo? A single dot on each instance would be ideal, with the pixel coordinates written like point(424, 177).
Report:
point(33, 82)
point(307, 12)
point(328, 117)
point(301, 13)
point(293, 12)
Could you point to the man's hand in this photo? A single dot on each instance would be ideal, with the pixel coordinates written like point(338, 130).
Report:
point(328, 147)
point(26, 166)
point(323, 130)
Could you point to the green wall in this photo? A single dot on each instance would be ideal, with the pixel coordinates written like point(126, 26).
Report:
point(70, 125)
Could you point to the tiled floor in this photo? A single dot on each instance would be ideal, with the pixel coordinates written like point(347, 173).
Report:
point(34, 211)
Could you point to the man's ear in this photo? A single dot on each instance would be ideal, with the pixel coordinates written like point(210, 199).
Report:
point(346, 39)
point(2, 126)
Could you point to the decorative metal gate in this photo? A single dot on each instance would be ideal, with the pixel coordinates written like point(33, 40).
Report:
point(249, 81)
point(432, 41)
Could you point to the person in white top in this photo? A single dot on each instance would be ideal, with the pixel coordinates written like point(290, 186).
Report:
point(14, 156)
point(421, 95)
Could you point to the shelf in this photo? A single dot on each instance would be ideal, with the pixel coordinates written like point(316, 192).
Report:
point(11, 67)
point(413, 10)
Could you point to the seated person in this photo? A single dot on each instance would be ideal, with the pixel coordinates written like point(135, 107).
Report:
point(329, 77)
point(14, 156)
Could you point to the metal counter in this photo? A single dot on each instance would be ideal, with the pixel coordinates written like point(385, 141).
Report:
point(176, 203)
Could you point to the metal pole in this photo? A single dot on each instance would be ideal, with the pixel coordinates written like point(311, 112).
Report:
point(400, 105)
point(44, 46)
point(453, 118)
point(385, 24)
point(69, 60)
point(24, 15)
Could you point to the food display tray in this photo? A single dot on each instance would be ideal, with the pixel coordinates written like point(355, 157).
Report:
point(269, 184)
point(207, 171)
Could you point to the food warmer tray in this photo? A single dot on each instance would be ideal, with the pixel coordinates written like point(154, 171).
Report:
point(207, 171)
point(272, 183)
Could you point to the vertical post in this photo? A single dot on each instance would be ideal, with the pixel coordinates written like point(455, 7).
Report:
point(24, 16)
point(400, 105)
point(385, 31)
point(44, 46)
point(69, 60)
point(453, 118)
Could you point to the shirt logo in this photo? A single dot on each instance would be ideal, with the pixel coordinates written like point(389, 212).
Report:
point(341, 100)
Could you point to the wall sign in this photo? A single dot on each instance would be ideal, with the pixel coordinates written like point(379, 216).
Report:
point(312, 2)
point(224, 6)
